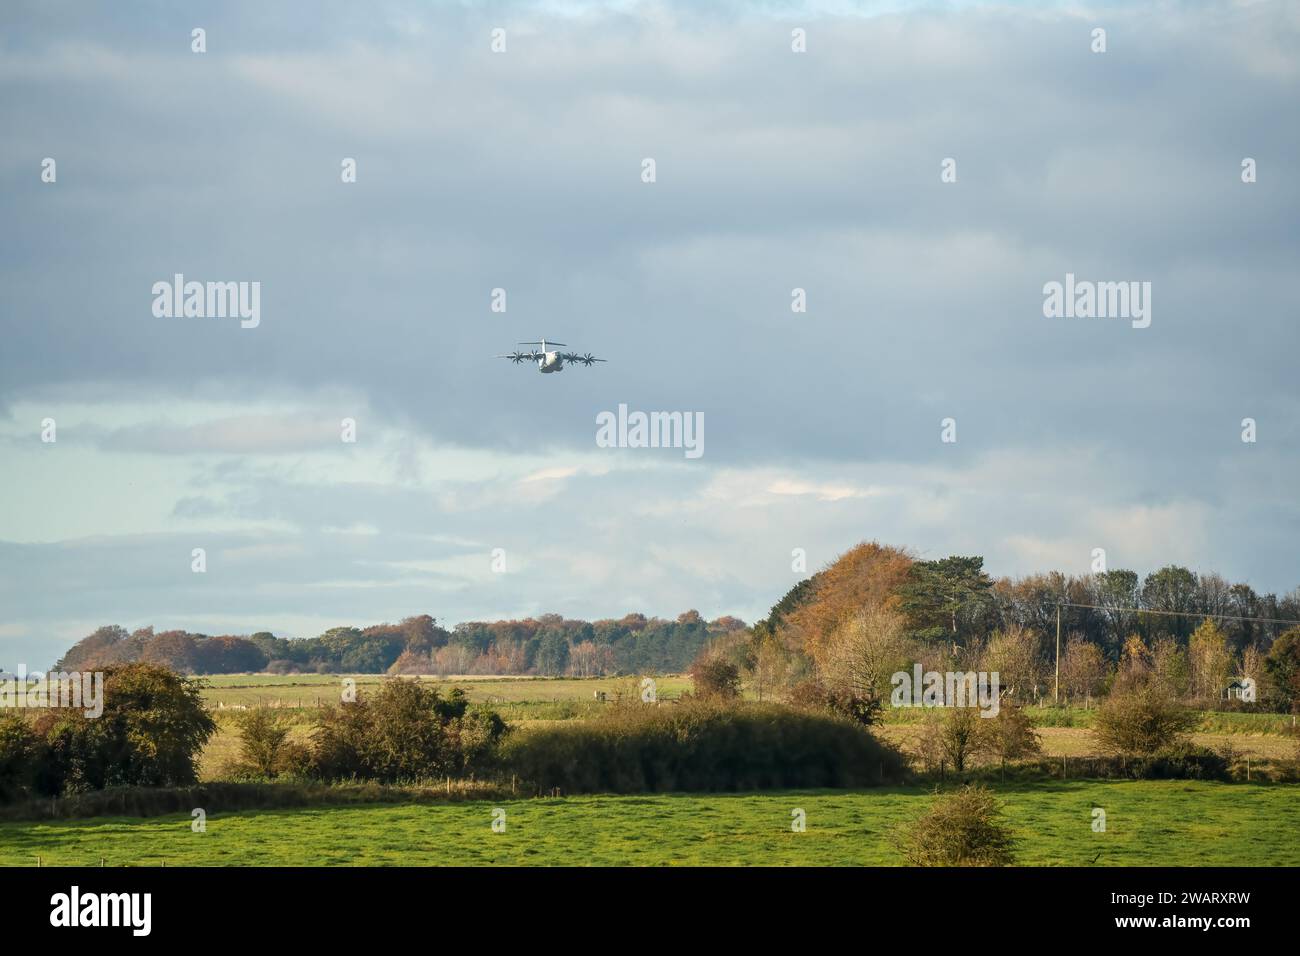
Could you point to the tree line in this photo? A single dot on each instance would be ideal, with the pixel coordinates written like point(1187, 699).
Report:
point(549, 645)
point(877, 610)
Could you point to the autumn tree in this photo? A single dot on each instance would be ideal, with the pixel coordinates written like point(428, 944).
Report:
point(864, 652)
point(866, 576)
point(1135, 665)
point(1083, 668)
point(1015, 654)
point(1209, 661)
point(769, 662)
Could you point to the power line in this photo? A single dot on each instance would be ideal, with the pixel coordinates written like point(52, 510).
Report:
point(1200, 614)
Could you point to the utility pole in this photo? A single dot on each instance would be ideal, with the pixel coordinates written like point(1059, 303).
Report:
point(1056, 690)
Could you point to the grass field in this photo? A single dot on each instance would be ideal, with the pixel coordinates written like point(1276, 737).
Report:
point(1064, 732)
point(519, 700)
point(1148, 823)
point(313, 690)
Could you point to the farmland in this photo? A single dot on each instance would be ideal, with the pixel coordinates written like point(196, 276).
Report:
point(1148, 823)
point(1064, 732)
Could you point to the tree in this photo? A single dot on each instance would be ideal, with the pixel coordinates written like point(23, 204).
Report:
point(1252, 667)
point(1117, 592)
point(20, 750)
point(769, 662)
point(1209, 661)
point(866, 576)
point(1173, 590)
point(1135, 665)
point(1169, 666)
point(589, 659)
point(95, 651)
point(945, 590)
point(1283, 668)
point(950, 736)
point(153, 726)
point(964, 828)
point(1015, 654)
point(864, 652)
point(552, 653)
point(1142, 721)
point(1083, 668)
point(228, 655)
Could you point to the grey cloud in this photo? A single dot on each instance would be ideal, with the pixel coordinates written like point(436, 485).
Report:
point(775, 171)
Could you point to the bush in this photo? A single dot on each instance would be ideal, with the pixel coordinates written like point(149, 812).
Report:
point(701, 745)
point(150, 734)
point(19, 752)
point(950, 737)
point(407, 731)
point(265, 749)
point(1010, 735)
point(1181, 761)
point(1143, 721)
point(963, 828)
point(714, 676)
point(813, 695)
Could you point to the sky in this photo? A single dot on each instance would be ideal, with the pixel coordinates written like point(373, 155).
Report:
point(475, 488)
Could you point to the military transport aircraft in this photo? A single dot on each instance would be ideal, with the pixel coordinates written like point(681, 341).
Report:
point(552, 360)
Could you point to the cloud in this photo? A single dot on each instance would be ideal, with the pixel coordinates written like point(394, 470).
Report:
point(521, 171)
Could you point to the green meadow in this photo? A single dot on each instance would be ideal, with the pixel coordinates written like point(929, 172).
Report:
point(1148, 823)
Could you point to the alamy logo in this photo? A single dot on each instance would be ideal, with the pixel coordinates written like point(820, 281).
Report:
point(72, 689)
point(1083, 299)
point(948, 689)
point(653, 430)
point(103, 909)
point(208, 300)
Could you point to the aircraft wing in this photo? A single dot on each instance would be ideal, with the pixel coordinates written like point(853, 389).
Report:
point(577, 359)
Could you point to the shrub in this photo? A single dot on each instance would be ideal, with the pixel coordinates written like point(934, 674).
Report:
point(1010, 735)
point(1142, 721)
point(701, 745)
point(715, 676)
point(1180, 761)
point(950, 737)
point(265, 748)
point(861, 708)
point(150, 734)
point(963, 828)
point(19, 752)
point(407, 731)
